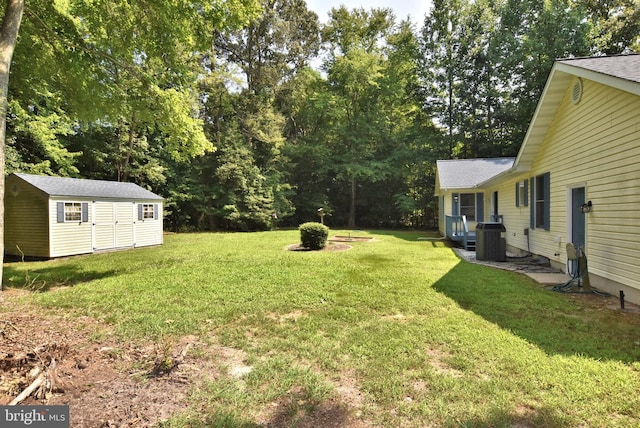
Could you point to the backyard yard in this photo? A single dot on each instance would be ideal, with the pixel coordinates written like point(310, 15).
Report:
point(238, 330)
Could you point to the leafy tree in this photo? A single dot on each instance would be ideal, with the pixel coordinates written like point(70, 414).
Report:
point(72, 53)
point(274, 45)
point(354, 70)
point(615, 25)
point(441, 67)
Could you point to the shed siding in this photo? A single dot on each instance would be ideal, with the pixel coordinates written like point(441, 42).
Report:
point(149, 231)
point(594, 144)
point(27, 228)
point(70, 237)
point(35, 219)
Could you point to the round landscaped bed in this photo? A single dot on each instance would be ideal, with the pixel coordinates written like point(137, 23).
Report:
point(330, 247)
point(342, 238)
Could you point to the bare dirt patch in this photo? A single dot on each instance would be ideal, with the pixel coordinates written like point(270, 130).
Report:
point(336, 243)
point(108, 382)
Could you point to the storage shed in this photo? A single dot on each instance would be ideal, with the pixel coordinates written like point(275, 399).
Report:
point(48, 217)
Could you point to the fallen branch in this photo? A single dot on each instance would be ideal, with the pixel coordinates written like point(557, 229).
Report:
point(29, 390)
point(39, 383)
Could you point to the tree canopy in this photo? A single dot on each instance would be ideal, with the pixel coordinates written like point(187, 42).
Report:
point(251, 114)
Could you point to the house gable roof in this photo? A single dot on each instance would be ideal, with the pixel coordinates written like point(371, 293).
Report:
point(75, 187)
point(620, 71)
point(469, 173)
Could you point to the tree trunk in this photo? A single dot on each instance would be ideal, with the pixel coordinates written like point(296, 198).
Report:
point(8, 37)
point(352, 205)
point(130, 142)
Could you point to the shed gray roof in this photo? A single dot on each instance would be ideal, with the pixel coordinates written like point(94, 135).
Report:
point(468, 173)
point(75, 187)
point(625, 67)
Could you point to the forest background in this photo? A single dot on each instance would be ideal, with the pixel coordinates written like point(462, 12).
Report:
point(251, 114)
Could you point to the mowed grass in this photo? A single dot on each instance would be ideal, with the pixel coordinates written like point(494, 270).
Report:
point(400, 331)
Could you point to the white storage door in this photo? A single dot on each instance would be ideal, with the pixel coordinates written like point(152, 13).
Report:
point(124, 224)
point(104, 233)
point(113, 225)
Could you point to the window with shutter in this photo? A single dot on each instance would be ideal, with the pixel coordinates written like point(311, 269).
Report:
point(541, 201)
point(468, 205)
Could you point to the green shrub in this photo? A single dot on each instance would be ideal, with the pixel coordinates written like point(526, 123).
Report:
point(313, 235)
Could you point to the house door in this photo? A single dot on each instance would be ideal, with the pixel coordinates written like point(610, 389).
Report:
point(578, 218)
point(577, 227)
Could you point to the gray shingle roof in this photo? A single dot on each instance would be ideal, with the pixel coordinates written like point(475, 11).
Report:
point(468, 173)
point(75, 187)
point(622, 66)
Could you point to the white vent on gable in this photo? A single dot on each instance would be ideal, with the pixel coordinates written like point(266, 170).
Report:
point(576, 90)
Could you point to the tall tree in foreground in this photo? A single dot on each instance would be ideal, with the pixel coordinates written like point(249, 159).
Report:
point(8, 36)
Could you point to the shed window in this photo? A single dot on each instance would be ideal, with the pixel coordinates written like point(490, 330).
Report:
point(522, 193)
point(147, 211)
point(72, 211)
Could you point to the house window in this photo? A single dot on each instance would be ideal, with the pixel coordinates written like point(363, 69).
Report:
point(468, 205)
point(540, 201)
point(72, 211)
point(540, 197)
point(522, 193)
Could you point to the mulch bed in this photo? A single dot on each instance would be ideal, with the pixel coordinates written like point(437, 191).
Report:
point(337, 243)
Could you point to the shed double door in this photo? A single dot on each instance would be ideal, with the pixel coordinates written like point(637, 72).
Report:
point(113, 225)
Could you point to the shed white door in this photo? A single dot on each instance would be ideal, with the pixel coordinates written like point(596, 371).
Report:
point(113, 225)
point(124, 224)
point(104, 234)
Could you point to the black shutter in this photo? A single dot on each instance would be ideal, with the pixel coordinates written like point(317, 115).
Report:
point(517, 193)
point(455, 209)
point(479, 207)
point(85, 212)
point(60, 211)
point(546, 180)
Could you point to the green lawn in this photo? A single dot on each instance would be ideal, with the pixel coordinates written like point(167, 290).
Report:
point(417, 336)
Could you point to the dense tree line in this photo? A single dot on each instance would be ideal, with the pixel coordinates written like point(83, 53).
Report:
point(250, 114)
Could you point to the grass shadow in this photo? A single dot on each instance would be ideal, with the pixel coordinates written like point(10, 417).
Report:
point(556, 323)
point(408, 235)
point(20, 276)
point(523, 417)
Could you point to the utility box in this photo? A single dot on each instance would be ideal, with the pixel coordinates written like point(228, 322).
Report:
point(490, 245)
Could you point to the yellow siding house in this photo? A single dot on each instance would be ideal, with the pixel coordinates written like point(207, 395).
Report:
point(576, 178)
point(49, 217)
